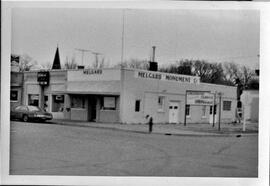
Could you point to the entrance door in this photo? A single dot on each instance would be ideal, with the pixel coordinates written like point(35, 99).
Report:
point(92, 104)
point(174, 112)
point(211, 114)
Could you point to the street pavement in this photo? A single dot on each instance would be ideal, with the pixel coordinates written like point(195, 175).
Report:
point(50, 149)
point(173, 129)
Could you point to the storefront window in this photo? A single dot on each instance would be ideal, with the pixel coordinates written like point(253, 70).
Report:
point(58, 103)
point(227, 105)
point(78, 102)
point(187, 110)
point(14, 95)
point(33, 99)
point(109, 103)
point(137, 105)
point(46, 103)
point(215, 109)
point(161, 103)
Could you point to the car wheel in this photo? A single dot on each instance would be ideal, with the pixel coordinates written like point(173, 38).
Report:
point(25, 118)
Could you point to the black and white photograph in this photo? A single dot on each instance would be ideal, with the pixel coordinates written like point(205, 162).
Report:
point(133, 92)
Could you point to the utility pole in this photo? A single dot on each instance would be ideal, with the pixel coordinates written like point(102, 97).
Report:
point(219, 115)
point(213, 110)
point(82, 51)
point(123, 37)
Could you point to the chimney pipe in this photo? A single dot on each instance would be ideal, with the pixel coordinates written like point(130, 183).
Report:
point(153, 66)
point(153, 57)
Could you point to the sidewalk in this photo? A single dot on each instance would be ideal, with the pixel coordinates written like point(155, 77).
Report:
point(199, 130)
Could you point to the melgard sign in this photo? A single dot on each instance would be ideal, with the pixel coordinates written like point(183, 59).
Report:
point(167, 77)
point(199, 98)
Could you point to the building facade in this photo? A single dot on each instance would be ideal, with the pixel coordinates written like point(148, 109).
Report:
point(250, 105)
point(16, 89)
point(127, 96)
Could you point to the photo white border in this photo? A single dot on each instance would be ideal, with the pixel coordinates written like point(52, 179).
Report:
point(263, 172)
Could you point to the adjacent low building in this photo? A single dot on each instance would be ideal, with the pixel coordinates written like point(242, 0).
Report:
point(127, 96)
point(250, 104)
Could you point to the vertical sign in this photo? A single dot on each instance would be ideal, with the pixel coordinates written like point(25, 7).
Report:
point(43, 78)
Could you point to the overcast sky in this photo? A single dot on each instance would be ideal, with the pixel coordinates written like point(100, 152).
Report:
point(214, 35)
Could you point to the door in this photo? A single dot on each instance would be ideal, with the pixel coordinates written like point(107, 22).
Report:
point(174, 112)
point(211, 117)
point(92, 104)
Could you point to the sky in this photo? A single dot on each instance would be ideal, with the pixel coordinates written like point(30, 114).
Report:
point(212, 35)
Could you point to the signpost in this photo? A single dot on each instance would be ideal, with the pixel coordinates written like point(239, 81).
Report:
point(213, 110)
point(246, 101)
point(219, 115)
point(43, 78)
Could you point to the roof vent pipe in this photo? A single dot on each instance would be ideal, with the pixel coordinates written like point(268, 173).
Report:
point(154, 50)
point(153, 66)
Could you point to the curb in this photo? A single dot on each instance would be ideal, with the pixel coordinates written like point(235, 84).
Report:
point(197, 134)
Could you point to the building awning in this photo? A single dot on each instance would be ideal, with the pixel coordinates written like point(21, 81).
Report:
point(86, 93)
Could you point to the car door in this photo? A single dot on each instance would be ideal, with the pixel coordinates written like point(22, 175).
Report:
point(20, 111)
point(15, 113)
point(23, 111)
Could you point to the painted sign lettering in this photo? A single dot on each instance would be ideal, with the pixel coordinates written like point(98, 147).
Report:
point(92, 71)
point(167, 77)
point(199, 98)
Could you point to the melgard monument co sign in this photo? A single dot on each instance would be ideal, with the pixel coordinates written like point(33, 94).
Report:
point(199, 98)
point(167, 77)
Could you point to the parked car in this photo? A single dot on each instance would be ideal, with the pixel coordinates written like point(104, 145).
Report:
point(29, 112)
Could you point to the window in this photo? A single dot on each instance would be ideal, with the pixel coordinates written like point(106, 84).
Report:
point(58, 103)
point(14, 95)
point(46, 103)
point(33, 99)
point(137, 105)
point(78, 102)
point(20, 108)
point(109, 103)
point(187, 110)
point(215, 109)
point(161, 100)
point(204, 111)
point(33, 108)
point(227, 105)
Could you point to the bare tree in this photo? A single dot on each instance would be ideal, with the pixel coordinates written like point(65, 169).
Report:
point(134, 63)
point(101, 63)
point(70, 63)
point(26, 62)
point(247, 74)
point(237, 75)
point(208, 72)
point(47, 65)
point(183, 66)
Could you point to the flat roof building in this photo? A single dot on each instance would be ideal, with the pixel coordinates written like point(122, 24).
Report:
point(127, 96)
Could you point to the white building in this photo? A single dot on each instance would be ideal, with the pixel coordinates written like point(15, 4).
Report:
point(250, 104)
point(127, 96)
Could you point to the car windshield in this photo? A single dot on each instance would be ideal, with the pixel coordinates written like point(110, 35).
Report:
point(33, 108)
